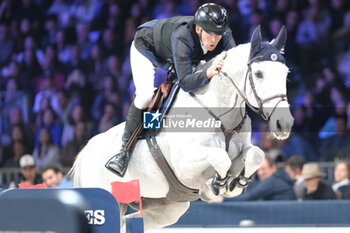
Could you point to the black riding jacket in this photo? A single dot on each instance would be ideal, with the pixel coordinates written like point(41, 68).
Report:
point(174, 41)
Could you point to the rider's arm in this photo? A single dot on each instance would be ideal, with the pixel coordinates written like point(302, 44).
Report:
point(227, 42)
point(183, 48)
point(183, 52)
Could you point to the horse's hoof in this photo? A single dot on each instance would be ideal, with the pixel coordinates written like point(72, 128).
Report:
point(218, 183)
point(234, 187)
point(215, 190)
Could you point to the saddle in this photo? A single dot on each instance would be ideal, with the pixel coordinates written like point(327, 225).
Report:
point(160, 100)
point(160, 94)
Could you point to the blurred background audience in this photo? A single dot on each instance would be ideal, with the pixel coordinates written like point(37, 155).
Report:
point(315, 187)
point(272, 184)
point(53, 178)
point(341, 179)
point(29, 171)
point(293, 167)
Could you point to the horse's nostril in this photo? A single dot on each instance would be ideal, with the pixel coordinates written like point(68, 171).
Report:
point(279, 127)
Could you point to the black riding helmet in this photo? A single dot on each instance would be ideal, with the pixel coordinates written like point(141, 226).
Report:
point(212, 18)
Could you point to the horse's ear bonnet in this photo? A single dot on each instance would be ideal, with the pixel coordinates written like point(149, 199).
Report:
point(269, 52)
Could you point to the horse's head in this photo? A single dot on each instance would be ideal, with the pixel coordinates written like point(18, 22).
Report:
point(265, 86)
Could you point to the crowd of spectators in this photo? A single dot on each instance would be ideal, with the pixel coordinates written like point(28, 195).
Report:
point(65, 74)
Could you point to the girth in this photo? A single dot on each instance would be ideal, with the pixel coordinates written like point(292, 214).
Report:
point(177, 191)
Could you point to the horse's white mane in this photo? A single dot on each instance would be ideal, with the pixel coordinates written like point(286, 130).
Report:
point(237, 59)
point(235, 65)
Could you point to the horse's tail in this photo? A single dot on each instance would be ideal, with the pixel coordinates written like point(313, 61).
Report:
point(74, 173)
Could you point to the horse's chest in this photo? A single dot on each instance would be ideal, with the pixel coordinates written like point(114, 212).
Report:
point(235, 148)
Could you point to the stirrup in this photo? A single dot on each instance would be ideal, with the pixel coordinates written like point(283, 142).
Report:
point(119, 172)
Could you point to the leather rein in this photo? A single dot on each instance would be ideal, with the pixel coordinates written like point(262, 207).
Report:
point(259, 110)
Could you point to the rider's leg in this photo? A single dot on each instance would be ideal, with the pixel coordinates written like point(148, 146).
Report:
point(143, 75)
point(121, 160)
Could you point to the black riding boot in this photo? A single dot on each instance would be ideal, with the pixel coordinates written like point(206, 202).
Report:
point(119, 163)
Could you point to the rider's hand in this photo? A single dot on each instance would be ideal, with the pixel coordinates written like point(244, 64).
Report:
point(216, 65)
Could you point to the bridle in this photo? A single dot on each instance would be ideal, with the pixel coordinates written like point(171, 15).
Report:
point(259, 110)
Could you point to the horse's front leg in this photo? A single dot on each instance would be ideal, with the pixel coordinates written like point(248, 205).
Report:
point(252, 158)
point(213, 187)
point(210, 162)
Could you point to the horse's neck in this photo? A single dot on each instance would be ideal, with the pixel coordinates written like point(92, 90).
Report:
point(221, 92)
point(220, 95)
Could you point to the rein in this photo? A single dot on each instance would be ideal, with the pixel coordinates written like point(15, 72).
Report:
point(227, 133)
point(259, 110)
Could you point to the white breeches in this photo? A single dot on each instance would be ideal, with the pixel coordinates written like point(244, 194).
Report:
point(143, 73)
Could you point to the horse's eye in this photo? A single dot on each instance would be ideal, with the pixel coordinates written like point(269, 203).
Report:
point(259, 74)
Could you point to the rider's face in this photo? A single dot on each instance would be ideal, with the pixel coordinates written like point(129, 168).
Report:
point(209, 41)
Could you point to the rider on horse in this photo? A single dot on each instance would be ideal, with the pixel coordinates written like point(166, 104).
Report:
point(179, 41)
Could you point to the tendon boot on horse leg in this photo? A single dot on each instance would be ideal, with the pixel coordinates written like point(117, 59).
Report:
point(218, 183)
point(119, 163)
point(253, 158)
point(240, 182)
